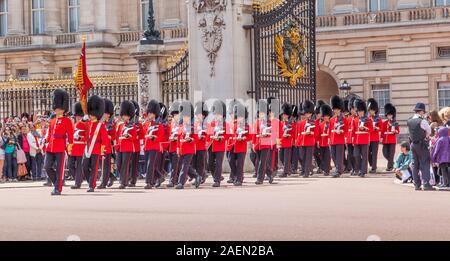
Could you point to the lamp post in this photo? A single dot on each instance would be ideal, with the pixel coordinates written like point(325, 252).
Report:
point(345, 88)
point(151, 35)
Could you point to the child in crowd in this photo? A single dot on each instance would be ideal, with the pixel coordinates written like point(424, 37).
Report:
point(441, 155)
point(402, 163)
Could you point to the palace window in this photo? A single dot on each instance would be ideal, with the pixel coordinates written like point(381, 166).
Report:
point(67, 71)
point(144, 14)
point(381, 93)
point(378, 56)
point(3, 17)
point(441, 2)
point(22, 74)
point(443, 95)
point(377, 5)
point(443, 52)
point(320, 7)
point(38, 16)
point(74, 15)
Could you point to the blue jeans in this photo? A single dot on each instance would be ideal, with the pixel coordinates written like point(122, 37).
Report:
point(36, 165)
point(10, 166)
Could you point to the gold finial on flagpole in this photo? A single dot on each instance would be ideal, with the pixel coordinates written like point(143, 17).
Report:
point(84, 38)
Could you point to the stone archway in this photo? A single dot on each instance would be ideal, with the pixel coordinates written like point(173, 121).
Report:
point(327, 84)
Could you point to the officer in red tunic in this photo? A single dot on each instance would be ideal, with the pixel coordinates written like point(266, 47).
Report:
point(199, 160)
point(59, 139)
point(294, 157)
point(162, 156)
point(110, 124)
point(362, 127)
point(389, 131)
point(96, 141)
point(217, 137)
point(349, 137)
point(126, 136)
point(324, 139)
point(374, 134)
point(239, 137)
point(79, 144)
point(154, 131)
point(317, 121)
point(338, 130)
point(134, 171)
point(174, 130)
point(307, 134)
point(287, 138)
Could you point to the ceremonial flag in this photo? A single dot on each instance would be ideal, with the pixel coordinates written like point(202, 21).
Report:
point(82, 81)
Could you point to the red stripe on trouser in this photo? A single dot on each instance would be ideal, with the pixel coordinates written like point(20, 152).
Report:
point(94, 182)
point(61, 173)
point(273, 160)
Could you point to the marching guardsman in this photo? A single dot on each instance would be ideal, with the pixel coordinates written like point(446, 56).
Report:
point(174, 130)
point(110, 124)
point(349, 137)
point(338, 130)
point(389, 131)
point(288, 125)
point(59, 139)
point(294, 157)
point(201, 127)
point(374, 134)
point(239, 137)
point(125, 139)
point(154, 131)
point(263, 131)
point(137, 146)
point(324, 139)
point(218, 132)
point(307, 132)
point(232, 122)
point(187, 139)
point(362, 127)
point(96, 141)
point(163, 146)
point(79, 144)
point(276, 133)
point(254, 147)
point(317, 117)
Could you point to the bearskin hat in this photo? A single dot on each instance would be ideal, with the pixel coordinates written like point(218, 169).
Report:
point(319, 104)
point(263, 106)
point(372, 105)
point(239, 110)
point(337, 103)
point(127, 108)
point(351, 103)
point(163, 112)
point(219, 107)
point(308, 107)
point(389, 108)
point(186, 109)
point(295, 111)
point(230, 108)
point(346, 104)
point(61, 100)
point(153, 107)
point(175, 108)
point(360, 105)
point(109, 107)
point(273, 104)
point(96, 106)
point(286, 108)
point(77, 110)
point(325, 110)
point(137, 108)
point(201, 108)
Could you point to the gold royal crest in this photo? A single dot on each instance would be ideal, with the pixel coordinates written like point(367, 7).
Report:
point(290, 52)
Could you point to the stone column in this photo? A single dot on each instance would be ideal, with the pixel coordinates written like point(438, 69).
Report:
point(15, 18)
point(53, 16)
point(87, 15)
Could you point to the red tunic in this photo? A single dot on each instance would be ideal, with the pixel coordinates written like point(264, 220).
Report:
point(126, 141)
point(111, 128)
point(269, 141)
point(307, 140)
point(174, 131)
point(59, 130)
point(79, 139)
point(150, 129)
point(324, 132)
point(338, 138)
point(239, 138)
point(201, 136)
point(349, 134)
point(377, 123)
point(387, 136)
point(187, 147)
point(101, 140)
point(222, 131)
point(164, 142)
point(287, 141)
point(140, 137)
point(364, 137)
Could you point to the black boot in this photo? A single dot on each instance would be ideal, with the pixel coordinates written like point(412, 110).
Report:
point(170, 185)
point(56, 192)
point(148, 186)
point(179, 186)
point(90, 190)
point(75, 187)
point(428, 188)
point(216, 184)
point(110, 182)
point(122, 186)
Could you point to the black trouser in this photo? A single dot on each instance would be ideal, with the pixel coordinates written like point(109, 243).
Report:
point(28, 163)
point(263, 158)
point(185, 164)
point(306, 155)
point(174, 159)
point(237, 161)
point(199, 163)
point(286, 156)
point(294, 159)
point(373, 154)
point(150, 177)
point(350, 166)
point(337, 154)
point(106, 171)
point(56, 175)
point(123, 165)
point(36, 165)
point(254, 159)
point(325, 163)
point(90, 169)
point(361, 153)
point(317, 156)
point(210, 162)
point(134, 168)
point(389, 154)
point(421, 162)
point(76, 169)
point(445, 172)
point(218, 161)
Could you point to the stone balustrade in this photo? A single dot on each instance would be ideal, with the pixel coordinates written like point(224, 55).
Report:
point(407, 15)
point(18, 41)
point(66, 39)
